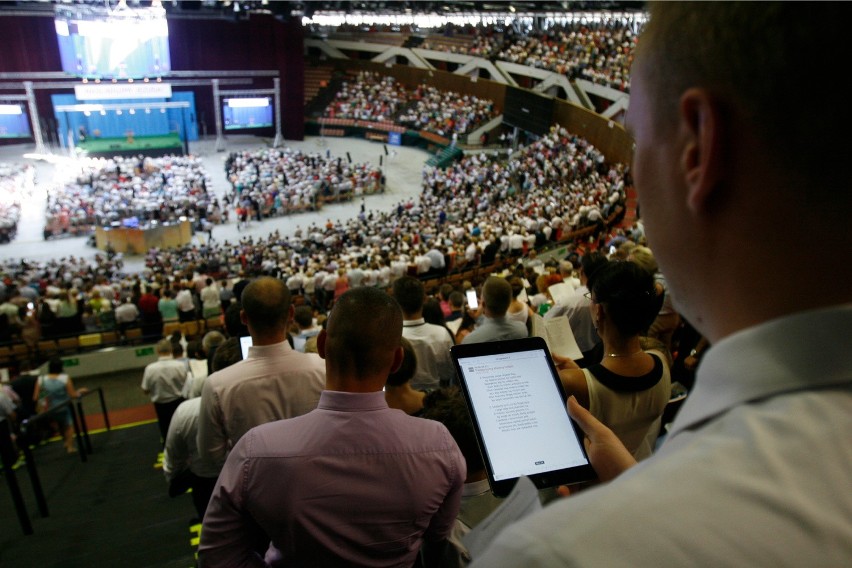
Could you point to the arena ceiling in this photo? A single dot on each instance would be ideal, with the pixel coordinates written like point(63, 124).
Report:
point(291, 8)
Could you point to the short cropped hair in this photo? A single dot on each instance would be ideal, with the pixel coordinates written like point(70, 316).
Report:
point(266, 303)
point(227, 353)
point(164, 347)
point(644, 258)
point(497, 295)
point(363, 332)
point(212, 339)
point(752, 55)
point(304, 316)
point(410, 294)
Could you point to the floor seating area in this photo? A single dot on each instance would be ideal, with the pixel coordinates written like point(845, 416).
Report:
point(18, 351)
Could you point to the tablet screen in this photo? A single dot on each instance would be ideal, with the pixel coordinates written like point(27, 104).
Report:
point(518, 407)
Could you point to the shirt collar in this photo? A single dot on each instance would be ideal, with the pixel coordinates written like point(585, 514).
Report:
point(796, 352)
point(352, 401)
point(411, 323)
point(267, 350)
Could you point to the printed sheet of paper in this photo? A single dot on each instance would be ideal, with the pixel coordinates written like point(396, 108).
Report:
point(561, 292)
point(557, 333)
point(521, 502)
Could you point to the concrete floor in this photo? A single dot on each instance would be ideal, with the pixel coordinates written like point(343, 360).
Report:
point(403, 168)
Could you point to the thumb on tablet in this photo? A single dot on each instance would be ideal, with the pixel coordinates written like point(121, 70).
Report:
point(608, 455)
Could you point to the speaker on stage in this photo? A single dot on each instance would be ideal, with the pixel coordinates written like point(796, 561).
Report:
point(348, 157)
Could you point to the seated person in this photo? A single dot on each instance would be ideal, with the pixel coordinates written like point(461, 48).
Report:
point(628, 391)
point(398, 391)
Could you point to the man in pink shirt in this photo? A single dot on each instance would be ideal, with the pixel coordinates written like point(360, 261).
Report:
point(352, 483)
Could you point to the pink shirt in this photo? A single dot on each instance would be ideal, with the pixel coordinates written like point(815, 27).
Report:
point(352, 483)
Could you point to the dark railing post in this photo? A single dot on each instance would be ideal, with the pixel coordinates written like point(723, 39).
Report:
point(7, 456)
point(75, 420)
point(31, 469)
point(104, 408)
point(83, 426)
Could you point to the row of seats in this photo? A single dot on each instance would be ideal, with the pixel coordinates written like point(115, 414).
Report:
point(193, 329)
point(45, 348)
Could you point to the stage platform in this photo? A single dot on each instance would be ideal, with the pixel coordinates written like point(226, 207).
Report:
point(133, 146)
point(138, 241)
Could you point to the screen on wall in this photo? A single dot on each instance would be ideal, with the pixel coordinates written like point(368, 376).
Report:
point(528, 110)
point(14, 122)
point(113, 47)
point(247, 113)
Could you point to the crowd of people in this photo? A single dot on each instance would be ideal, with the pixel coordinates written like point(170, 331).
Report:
point(16, 183)
point(598, 50)
point(369, 96)
point(373, 97)
point(136, 190)
point(273, 182)
point(752, 470)
point(470, 214)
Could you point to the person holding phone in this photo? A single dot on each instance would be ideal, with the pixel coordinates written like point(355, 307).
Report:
point(495, 326)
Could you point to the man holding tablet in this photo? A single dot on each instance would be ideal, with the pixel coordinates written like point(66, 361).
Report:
point(755, 469)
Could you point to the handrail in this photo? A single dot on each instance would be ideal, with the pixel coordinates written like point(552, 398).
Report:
point(83, 425)
point(7, 453)
point(75, 421)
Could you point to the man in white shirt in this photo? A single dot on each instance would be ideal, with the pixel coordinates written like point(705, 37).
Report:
point(185, 303)
point(755, 468)
point(126, 314)
point(211, 304)
point(163, 381)
point(272, 383)
point(431, 342)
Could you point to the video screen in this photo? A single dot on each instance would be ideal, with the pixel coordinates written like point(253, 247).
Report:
point(528, 110)
point(247, 113)
point(121, 48)
point(14, 121)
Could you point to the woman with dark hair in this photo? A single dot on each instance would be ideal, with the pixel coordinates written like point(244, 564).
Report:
point(53, 389)
point(630, 388)
point(398, 391)
point(433, 314)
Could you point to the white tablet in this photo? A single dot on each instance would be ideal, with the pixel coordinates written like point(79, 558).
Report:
point(517, 405)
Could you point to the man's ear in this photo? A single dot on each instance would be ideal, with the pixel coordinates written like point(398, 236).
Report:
point(398, 356)
point(321, 343)
point(243, 318)
point(702, 159)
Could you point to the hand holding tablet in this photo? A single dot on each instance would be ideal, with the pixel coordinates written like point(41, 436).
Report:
point(518, 409)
